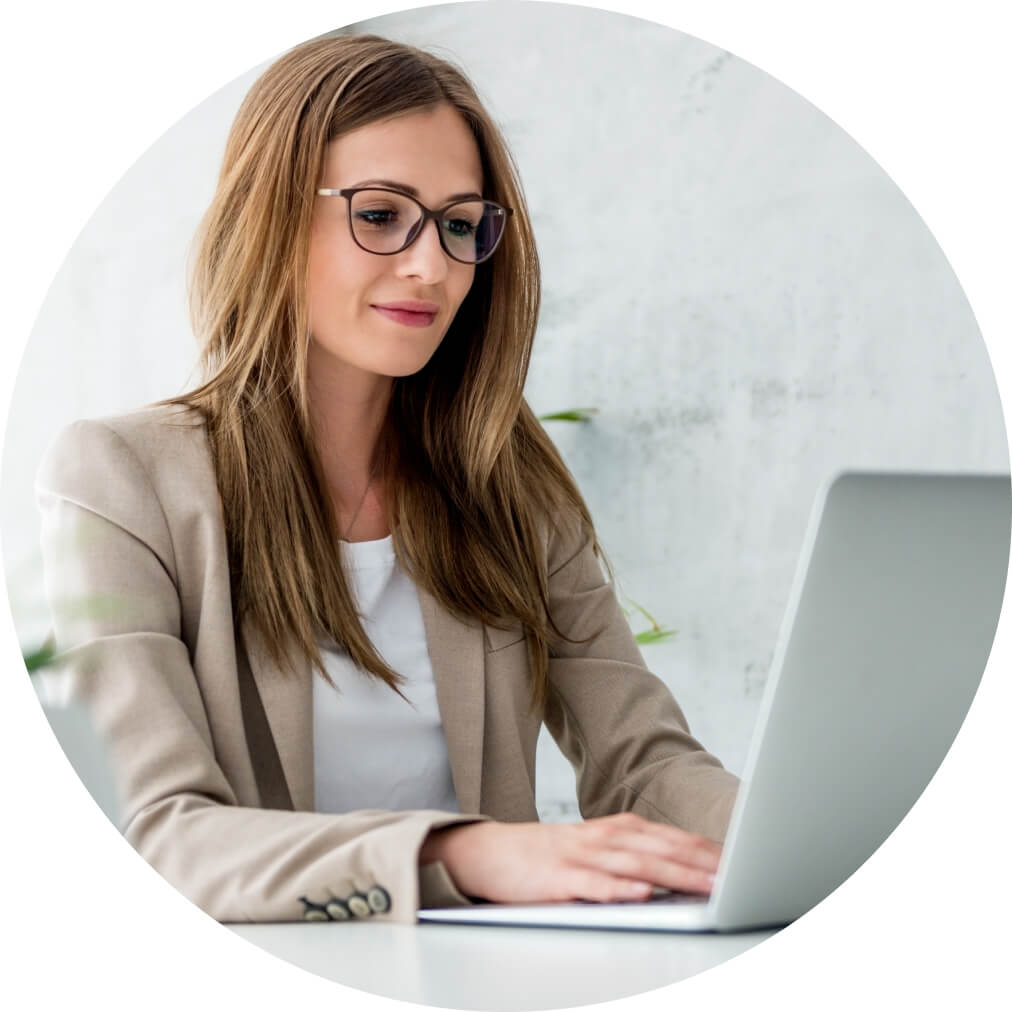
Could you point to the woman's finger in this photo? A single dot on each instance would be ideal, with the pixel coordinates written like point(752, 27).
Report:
point(668, 841)
point(679, 836)
point(646, 867)
point(584, 883)
point(630, 821)
point(682, 853)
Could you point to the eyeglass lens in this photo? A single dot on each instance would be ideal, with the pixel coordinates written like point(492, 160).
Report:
point(385, 222)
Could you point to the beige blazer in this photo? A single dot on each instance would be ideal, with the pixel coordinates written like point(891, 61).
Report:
point(132, 525)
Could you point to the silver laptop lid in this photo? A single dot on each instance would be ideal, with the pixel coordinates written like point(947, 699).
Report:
point(884, 641)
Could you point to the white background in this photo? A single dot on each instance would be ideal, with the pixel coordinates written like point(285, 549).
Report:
point(90, 89)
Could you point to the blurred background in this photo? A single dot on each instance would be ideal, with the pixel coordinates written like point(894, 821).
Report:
point(738, 290)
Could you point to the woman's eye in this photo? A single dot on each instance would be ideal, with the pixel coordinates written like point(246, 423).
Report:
point(460, 226)
point(377, 217)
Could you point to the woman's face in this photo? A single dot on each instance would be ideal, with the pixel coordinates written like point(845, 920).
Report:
point(435, 153)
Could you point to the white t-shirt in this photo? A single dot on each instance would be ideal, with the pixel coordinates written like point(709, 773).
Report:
point(371, 749)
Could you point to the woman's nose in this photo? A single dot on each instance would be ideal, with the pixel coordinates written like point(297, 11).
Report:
point(425, 258)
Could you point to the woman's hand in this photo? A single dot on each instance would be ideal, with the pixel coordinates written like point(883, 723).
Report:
point(616, 857)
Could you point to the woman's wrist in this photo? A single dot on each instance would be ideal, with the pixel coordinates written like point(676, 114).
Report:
point(438, 845)
point(432, 846)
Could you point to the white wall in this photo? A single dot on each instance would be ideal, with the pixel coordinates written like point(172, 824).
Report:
point(740, 291)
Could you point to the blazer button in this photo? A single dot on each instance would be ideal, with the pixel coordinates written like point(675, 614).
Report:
point(378, 899)
point(338, 910)
point(313, 911)
point(358, 905)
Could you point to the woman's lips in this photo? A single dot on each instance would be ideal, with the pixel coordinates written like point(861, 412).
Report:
point(409, 319)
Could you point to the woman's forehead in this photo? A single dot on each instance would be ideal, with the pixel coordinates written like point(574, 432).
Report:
point(433, 151)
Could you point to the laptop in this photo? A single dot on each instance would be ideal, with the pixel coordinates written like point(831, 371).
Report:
point(887, 631)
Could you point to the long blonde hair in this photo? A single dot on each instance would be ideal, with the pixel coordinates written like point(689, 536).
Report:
point(472, 478)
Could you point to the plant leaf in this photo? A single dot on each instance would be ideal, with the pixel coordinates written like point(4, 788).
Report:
point(573, 415)
point(655, 635)
point(36, 659)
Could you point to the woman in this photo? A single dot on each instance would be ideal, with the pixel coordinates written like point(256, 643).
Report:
point(352, 575)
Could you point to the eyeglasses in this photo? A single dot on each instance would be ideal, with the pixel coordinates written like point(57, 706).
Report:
point(385, 222)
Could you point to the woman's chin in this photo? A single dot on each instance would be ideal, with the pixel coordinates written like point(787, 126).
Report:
point(399, 366)
point(396, 364)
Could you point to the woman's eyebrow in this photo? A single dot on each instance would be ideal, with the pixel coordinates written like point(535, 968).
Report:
point(410, 189)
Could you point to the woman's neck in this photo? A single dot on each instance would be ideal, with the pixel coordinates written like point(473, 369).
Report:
point(348, 412)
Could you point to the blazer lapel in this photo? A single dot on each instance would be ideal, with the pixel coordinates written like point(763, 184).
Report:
point(288, 705)
point(457, 652)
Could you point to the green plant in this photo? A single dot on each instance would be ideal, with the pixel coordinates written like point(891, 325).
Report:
point(656, 633)
point(40, 658)
point(573, 415)
point(96, 605)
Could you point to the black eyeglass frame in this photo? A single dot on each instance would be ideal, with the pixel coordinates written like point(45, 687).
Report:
point(436, 216)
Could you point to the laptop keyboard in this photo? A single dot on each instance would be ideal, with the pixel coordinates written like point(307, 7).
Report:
point(659, 896)
point(676, 898)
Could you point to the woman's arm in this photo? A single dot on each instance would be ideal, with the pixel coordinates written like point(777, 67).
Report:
point(628, 740)
point(111, 573)
point(617, 723)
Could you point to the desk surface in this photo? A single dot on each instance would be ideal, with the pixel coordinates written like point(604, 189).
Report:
point(495, 968)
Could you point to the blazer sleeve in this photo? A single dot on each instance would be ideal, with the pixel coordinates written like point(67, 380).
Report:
point(110, 574)
point(617, 723)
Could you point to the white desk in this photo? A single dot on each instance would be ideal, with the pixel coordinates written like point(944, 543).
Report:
point(452, 965)
point(494, 968)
